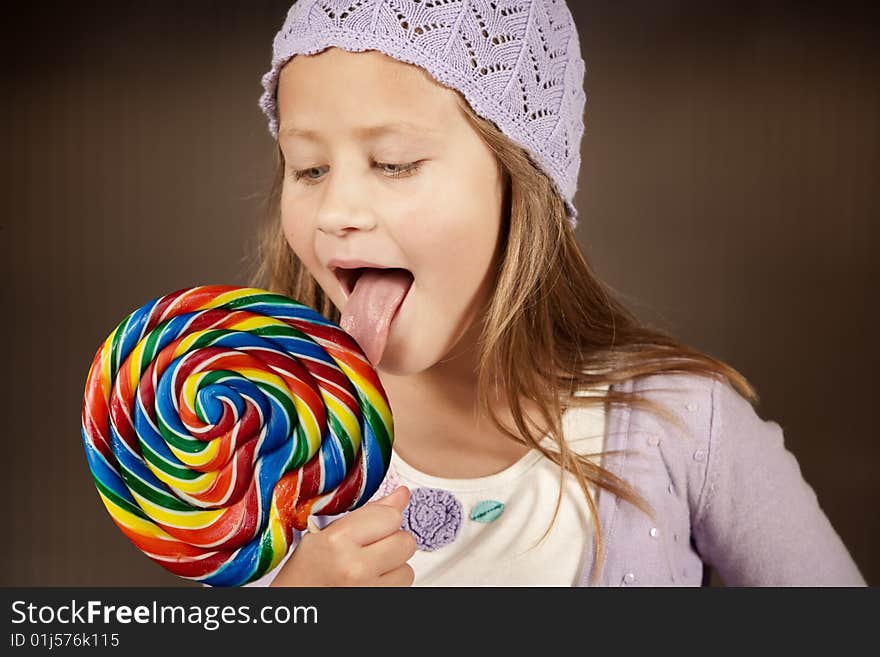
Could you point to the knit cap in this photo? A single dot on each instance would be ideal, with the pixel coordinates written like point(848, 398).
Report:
point(517, 62)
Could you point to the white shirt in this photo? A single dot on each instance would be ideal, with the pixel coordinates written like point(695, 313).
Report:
point(505, 551)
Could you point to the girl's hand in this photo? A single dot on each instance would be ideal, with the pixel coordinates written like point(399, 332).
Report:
point(365, 547)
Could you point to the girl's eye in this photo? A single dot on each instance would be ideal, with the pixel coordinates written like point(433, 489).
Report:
point(392, 170)
point(304, 173)
point(401, 170)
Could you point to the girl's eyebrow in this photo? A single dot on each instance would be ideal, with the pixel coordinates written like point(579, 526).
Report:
point(363, 131)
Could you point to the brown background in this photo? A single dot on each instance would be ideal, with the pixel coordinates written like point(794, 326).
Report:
point(728, 190)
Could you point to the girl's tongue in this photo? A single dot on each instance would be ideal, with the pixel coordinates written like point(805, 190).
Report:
point(371, 308)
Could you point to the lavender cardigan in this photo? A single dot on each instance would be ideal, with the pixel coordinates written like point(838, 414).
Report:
point(727, 493)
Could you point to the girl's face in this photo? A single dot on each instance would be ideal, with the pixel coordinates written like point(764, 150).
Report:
point(425, 194)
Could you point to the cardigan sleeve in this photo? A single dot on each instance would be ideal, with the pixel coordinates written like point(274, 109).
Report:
point(758, 522)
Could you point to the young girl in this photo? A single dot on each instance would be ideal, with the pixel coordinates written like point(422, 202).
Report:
point(427, 163)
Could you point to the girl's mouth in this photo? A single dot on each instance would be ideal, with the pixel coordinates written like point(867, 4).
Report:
point(374, 297)
point(348, 278)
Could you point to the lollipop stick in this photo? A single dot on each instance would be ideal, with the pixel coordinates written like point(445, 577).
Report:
point(313, 526)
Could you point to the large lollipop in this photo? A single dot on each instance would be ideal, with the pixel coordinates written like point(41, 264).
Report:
point(216, 419)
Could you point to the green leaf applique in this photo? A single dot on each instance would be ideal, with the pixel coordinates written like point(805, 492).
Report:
point(487, 510)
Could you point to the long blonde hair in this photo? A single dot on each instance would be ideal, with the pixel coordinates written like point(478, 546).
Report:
point(551, 327)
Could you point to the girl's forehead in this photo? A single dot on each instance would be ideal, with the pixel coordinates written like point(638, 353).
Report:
point(362, 98)
point(422, 132)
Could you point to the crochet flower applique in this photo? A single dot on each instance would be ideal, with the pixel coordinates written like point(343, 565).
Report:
point(433, 516)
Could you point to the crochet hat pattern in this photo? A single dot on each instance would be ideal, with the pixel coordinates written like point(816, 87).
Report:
point(517, 62)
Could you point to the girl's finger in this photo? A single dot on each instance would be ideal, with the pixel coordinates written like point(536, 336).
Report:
point(403, 576)
point(389, 553)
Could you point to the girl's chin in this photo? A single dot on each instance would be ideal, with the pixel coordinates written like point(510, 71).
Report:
point(402, 359)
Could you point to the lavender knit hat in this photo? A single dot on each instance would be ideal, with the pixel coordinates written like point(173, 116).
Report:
point(517, 62)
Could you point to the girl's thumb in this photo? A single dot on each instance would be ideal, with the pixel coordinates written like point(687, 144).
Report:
point(397, 498)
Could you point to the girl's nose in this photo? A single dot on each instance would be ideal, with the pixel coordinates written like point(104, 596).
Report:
point(340, 222)
point(344, 204)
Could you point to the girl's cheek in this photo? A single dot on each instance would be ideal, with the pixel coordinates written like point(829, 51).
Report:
point(301, 242)
point(291, 241)
point(303, 251)
point(293, 233)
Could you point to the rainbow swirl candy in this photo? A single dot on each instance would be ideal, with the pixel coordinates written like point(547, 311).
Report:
point(216, 419)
